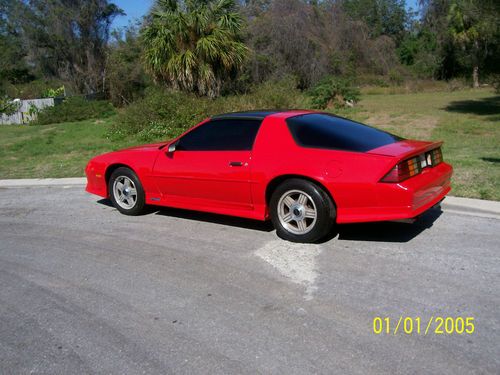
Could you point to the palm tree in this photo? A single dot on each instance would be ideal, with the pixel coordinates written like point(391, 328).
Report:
point(194, 45)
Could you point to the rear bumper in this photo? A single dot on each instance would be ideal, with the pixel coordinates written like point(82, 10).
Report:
point(405, 200)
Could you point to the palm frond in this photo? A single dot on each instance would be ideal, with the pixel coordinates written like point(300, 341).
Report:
point(194, 45)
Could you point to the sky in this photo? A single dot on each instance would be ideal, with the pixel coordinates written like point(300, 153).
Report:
point(135, 9)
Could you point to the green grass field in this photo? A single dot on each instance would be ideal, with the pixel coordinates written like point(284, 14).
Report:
point(467, 121)
point(59, 150)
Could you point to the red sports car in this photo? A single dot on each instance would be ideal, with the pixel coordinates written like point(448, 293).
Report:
point(303, 170)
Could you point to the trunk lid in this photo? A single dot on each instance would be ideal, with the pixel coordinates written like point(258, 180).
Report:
point(405, 148)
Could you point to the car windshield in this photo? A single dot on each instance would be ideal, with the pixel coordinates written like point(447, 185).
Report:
point(321, 130)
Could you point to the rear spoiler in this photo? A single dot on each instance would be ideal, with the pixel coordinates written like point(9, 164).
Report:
point(406, 149)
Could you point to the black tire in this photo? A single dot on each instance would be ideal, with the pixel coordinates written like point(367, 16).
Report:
point(138, 207)
point(317, 199)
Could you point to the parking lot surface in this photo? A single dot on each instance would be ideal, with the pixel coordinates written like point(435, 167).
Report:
point(84, 289)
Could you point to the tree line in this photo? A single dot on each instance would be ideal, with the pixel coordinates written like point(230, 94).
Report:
point(213, 47)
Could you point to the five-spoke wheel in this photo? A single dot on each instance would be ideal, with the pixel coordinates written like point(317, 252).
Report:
point(297, 212)
point(126, 191)
point(301, 211)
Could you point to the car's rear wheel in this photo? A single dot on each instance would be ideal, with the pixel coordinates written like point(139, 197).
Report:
point(301, 211)
point(126, 191)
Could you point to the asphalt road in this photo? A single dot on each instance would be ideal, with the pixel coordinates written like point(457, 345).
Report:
point(86, 290)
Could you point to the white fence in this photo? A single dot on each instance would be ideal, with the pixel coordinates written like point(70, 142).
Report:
point(27, 111)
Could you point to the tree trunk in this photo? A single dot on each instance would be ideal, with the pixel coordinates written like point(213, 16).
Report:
point(475, 76)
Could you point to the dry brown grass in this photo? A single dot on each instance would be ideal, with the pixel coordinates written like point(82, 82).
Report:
point(414, 127)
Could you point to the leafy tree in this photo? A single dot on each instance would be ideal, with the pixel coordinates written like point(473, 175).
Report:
point(7, 106)
point(383, 17)
point(473, 26)
point(286, 40)
point(126, 78)
point(311, 40)
point(419, 50)
point(254, 8)
point(13, 68)
point(67, 39)
point(194, 45)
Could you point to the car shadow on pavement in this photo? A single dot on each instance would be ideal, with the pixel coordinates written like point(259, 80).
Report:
point(105, 202)
point(263, 226)
point(387, 231)
point(203, 216)
point(377, 232)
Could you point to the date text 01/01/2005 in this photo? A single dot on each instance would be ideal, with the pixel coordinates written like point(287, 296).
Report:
point(416, 325)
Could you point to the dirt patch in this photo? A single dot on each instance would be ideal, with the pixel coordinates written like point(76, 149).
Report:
point(380, 120)
point(47, 129)
point(411, 127)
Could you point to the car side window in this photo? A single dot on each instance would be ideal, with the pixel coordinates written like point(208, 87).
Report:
point(221, 135)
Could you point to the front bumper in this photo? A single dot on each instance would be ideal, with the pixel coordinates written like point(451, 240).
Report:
point(96, 180)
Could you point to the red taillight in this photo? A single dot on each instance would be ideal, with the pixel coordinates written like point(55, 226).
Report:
point(412, 167)
point(404, 170)
point(437, 156)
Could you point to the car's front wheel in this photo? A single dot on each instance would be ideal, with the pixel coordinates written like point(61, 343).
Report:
point(126, 191)
point(301, 211)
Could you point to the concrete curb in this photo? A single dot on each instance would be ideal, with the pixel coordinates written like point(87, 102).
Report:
point(464, 206)
point(32, 182)
point(472, 207)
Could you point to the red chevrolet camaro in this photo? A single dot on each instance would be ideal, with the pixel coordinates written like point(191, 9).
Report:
point(303, 170)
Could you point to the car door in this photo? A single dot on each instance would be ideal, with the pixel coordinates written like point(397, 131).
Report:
point(210, 166)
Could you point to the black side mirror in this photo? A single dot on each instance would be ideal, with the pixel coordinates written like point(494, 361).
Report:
point(171, 148)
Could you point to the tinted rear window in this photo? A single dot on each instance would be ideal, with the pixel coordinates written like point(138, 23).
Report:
point(320, 130)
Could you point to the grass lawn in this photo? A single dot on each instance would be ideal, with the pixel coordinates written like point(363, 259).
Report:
point(467, 121)
point(59, 150)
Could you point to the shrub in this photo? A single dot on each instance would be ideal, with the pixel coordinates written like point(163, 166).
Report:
point(333, 92)
point(396, 77)
point(163, 114)
point(160, 114)
point(456, 84)
point(8, 106)
point(371, 80)
point(75, 109)
point(54, 93)
point(275, 95)
point(32, 90)
point(280, 94)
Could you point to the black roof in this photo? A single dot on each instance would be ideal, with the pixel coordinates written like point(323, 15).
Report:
point(254, 115)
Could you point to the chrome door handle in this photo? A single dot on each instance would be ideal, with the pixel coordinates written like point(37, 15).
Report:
point(236, 164)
